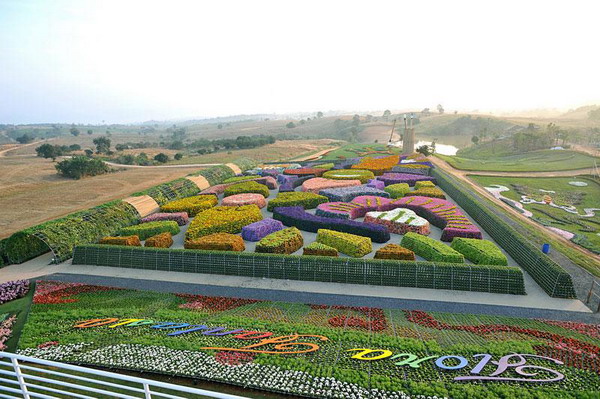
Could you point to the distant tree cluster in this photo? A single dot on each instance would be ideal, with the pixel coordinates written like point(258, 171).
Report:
point(80, 166)
point(205, 146)
point(55, 151)
point(24, 139)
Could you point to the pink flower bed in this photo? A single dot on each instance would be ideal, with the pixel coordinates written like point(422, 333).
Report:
point(180, 217)
point(6, 330)
point(319, 183)
point(408, 178)
point(399, 221)
point(357, 208)
point(439, 212)
point(245, 199)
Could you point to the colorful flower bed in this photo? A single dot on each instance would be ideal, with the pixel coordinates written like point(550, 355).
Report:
point(319, 249)
point(317, 184)
point(162, 240)
point(480, 252)
point(237, 179)
point(347, 194)
point(348, 244)
point(296, 216)
point(6, 324)
point(440, 213)
point(423, 184)
point(408, 178)
point(305, 172)
point(130, 241)
point(432, 192)
point(258, 230)
point(147, 230)
point(223, 219)
point(374, 183)
point(318, 350)
point(399, 221)
point(416, 168)
point(431, 249)
point(357, 208)
point(191, 205)
point(397, 190)
point(12, 290)
point(219, 189)
point(217, 242)
point(284, 241)
point(181, 218)
point(247, 187)
point(245, 199)
point(304, 199)
point(394, 251)
point(350, 174)
point(377, 165)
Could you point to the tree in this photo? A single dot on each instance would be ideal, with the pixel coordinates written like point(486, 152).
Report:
point(475, 140)
point(178, 156)
point(387, 113)
point(319, 114)
point(24, 139)
point(220, 126)
point(162, 158)
point(425, 150)
point(102, 145)
point(79, 166)
point(426, 112)
point(356, 119)
point(88, 152)
point(48, 151)
point(74, 147)
point(290, 125)
point(74, 131)
point(440, 109)
point(90, 132)
point(302, 121)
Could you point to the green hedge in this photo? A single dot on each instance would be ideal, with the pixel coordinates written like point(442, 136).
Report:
point(547, 273)
point(397, 190)
point(496, 279)
point(286, 241)
point(63, 234)
point(348, 244)
point(479, 251)
point(147, 230)
point(3, 257)
point(431, 249)
point(247, 187)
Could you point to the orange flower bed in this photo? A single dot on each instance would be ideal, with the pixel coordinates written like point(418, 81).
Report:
point(217, 242)
point(378, 165)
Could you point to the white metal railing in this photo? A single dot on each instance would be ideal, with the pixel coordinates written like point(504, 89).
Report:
point(29, 381)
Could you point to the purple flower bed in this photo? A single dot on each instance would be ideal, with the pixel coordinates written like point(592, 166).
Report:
point(378, 184)
point(409, 178)
point(347, 194)
point(440, 213)
point(270, 172)
point(283, 179)
point(298, 217)
point(180, 217)
point(13, 290)
point(293, 183)
point(258, 230)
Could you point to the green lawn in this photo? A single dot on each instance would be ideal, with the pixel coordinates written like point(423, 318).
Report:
point(360, 150)
point(566, 194)
point(535, 161)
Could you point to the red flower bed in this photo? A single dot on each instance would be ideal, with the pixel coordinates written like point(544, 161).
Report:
point(213, 303)
point(53, 292)
point(591, 330)
point(375, 318)
point(234, 358)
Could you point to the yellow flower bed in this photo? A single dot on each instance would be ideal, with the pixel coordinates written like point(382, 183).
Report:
point(378, 165)
point(223, 219)
point(192, 205)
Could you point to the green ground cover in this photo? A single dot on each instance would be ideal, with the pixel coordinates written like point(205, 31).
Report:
point(360, 150)
point(534, 161)
point(586, 228)
point(329, 359)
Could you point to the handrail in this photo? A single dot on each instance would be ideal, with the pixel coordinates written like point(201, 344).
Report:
point(23, 383)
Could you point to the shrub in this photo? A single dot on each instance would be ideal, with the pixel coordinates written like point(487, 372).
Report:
point(180, 217)
point(424, 183)
point(305, 172)
point(399, 221)
point(351, 210)
point(394, 251)
point(431, 249)
point(350, 174)
point(245, 199)
point(417, 169)
point(397, 190)
point(346, 194)
point(284, 241)
point(325, 166)
point(130, 241)
point(317, 184)
point(378, 184)
point(408, 178)
point(247, 187)
point(192, 205)
point(217, 242)
point(162, 240)
point(480, 252)
point(318, 249)
point(298, 217)
point(223, 219)
point(80, 166)
point(237, 179)
point(432, 192)
point(349, 244)
point(296, 198)
point(147, 230)
point(258, 230)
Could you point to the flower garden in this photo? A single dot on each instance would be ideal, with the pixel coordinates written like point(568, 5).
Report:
point(313, 350)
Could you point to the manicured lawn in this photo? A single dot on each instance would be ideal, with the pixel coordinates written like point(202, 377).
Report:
point(324, 360)
point(535, 161)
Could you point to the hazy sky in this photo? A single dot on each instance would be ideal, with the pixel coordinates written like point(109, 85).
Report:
point(124, 61)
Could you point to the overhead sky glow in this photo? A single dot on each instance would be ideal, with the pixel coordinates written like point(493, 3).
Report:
point(125, 61)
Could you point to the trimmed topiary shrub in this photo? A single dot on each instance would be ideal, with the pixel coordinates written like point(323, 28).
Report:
point(418, 169)
point(237, 179)
point(217, 242)
point(317, 184)
point(377, 165)
point(247, 187)
point(346, 194)
point(305, 172)
point(318, 249)
point(296, 198)
point(394, 251)
point(129, 241)
point(192, 205)
point(480, 252)
point(350, 174)
point(245, 199)
point(431, 192)
point(162, 240)
point(180, 217)
point(325, 166)
point(258, 230)
point(423, 184)
point(397, 190)
point(284, 241)
point(431, 249)
point(348, 244)
point(147, 230)
point(399, 221)
point(408, 178)
point(223, 219)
